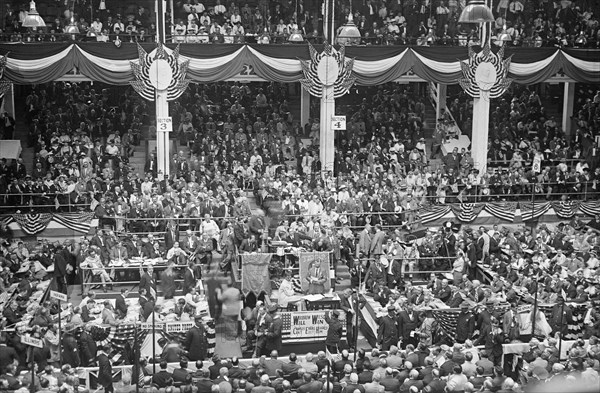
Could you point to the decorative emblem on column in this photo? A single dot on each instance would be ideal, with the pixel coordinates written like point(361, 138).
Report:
point(327, 69)
point(4, 84)
point(485, 74)
point(163, 71)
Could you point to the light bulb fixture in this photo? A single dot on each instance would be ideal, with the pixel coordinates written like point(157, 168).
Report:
point(503, 37)
point(581, 39)
point(476, 12)
point(264, 38)
point(33, 19)
point(72, 27)
point(118, 42)
point(349, 33)
point(296, 37)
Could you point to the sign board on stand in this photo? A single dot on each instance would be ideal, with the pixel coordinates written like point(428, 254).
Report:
point(32, 341)
point(164, 124)
point(58, 296)
point(338, 123)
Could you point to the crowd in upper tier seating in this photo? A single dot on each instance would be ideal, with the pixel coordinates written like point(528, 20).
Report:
point(397, 22)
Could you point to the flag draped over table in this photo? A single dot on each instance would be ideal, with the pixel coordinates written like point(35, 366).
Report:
point(79, 222)
point(565, 209)
point(467, 212)
point(530, 211)
point(502, 210)
point(255, 273)
point(434, 212)
point(33, 223)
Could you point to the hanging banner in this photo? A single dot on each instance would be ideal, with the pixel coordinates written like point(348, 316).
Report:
point(255, 273)
point(314, 272)
point(307, 326)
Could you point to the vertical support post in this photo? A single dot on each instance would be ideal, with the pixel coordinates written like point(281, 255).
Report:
point(172, 13)
point(304, 107)
point(568, 101)
point(326, 136)
point(160, 21)
point(162, 137)
point(59, 334)
point(479, 141)
point(440, 100)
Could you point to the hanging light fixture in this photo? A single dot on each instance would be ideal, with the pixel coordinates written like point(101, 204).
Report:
point(581, 40)
point(33, 19)
point(296, 37)
point(72, 27)
point(264, 38)
point(349, 33)
point(503, 37)
point(476, 12)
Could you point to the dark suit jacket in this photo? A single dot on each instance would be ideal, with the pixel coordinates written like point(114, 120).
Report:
point(105, 370)
point(7, 355)
point(147, 282)
point(406, 324)
point(274, 334)
point(189, 281)
point(161, 377)
point(311, 387)
point(120, 305)
point(179, 374)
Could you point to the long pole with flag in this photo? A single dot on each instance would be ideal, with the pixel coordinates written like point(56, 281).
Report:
point(535, 299)
point(563, 294)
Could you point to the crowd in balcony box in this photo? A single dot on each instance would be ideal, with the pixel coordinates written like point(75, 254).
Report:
point(414, 22)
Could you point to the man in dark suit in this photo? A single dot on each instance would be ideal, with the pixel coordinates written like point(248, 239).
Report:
point(311, 386)
point(151, 165)
point(272, 364)
point(60, 269)
point(195, 341)
point(7, 354)
point(105, 377)
point(408, 321)
point(348, 303)
point(274, 330)
point(121, 304)
point(85, 311)
point(190, 277)
point(264, 386)
point(160, 378)
point(249, 245)
point(171, 235)
point(179, 374)
point(204, 383)
point(388, 330)
point(89, 349)
point(236, 371)
point(292, 366)
point(148, 282)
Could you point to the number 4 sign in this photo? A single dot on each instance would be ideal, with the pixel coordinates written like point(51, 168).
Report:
point(164, 124)
point(338, 122)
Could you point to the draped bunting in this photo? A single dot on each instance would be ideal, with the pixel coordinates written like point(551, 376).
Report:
point(565, 209)
point(33, 223)
point(79, 222)
point(40, 63)
point(533, 210)
point(467, 212)
point(504, 211)
point(432, 213)
point(590, 208)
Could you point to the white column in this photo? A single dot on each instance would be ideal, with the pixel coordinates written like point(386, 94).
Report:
point(568, 100)
point(441, 100)
point(479, 139)
point(304, 106)
point(326, 135)
point(162, 137)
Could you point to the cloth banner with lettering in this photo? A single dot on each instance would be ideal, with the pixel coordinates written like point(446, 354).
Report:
point(255, 273)
point(306, 258)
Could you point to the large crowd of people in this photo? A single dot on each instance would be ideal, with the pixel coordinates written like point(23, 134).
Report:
point(416, 22)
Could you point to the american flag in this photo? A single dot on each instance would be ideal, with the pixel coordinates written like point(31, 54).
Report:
point(590, 208)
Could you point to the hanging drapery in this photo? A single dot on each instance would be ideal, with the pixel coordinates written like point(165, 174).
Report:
point(373, 65)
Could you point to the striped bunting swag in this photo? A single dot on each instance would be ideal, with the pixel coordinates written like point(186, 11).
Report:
point(6, 220)
point(33, 223)
point(590, 208)
point(447, 319)
point(565, 209)
point(467, 212)
point(504, 211)
point(434, 212)
point(79, 222)
point(530, 211)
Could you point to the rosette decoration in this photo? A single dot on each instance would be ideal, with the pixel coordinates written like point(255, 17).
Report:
point(328, 68)
point(152, 72)
point(485, 74)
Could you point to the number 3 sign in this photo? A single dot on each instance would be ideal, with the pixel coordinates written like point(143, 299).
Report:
point(164, 124)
